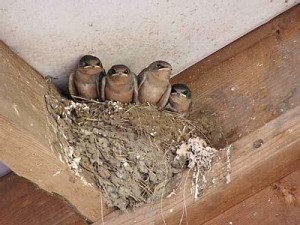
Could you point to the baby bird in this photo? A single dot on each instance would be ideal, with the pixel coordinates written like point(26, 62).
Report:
point(120, 84)
point(180, 99)
point(154, 84)
point(84, 82)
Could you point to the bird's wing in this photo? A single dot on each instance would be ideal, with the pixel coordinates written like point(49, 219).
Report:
point(103, 83)
point(169, 107)
point(164, 98)
point(72, 88)
point(141, 77)
point(99, 84)
point(189, 109)
point(135, 89)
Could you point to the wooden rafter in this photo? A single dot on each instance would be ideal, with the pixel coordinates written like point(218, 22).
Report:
point(26, 139)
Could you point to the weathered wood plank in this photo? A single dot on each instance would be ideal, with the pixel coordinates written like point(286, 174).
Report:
point(251, 81)
point(26, 139)
point(277, 204)
point(23, 203)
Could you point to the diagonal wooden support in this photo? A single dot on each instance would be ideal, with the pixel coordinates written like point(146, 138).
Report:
point(26, 140)
point(276, 204)
point(251, 81)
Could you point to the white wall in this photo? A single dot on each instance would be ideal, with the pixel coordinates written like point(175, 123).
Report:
point(51, 35)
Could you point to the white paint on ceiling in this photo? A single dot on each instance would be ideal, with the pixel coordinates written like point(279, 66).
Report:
point(52, 35)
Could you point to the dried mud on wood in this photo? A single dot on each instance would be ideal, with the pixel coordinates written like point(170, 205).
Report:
point(130, 152)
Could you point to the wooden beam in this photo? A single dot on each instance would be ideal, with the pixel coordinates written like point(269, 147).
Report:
point(256, 94)
point(26, 139)
point(251, 81)
point(273, 27)
point(23, 203)
point(277, 204)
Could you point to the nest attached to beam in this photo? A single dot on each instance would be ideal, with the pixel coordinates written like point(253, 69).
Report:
point(130, 152)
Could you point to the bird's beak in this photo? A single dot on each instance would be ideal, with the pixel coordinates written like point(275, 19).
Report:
point(120, 74)
point(165, 68)
point(88, 67)
point(180, 94)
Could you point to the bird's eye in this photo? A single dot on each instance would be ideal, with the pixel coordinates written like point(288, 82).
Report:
point(112, 71)
point(126, 71)
point(185, 92)
point(173, 90)
point(159, 66)
point(83, 64)
point(98, 64)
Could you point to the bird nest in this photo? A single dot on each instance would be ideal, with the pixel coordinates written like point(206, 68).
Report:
point(131, 152)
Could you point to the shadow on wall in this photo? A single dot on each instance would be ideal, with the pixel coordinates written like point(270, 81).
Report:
point(62, 85)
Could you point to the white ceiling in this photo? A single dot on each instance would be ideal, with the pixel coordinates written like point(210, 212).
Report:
point(51, 35)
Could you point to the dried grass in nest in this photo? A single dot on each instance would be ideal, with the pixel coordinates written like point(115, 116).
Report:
point(130, 152)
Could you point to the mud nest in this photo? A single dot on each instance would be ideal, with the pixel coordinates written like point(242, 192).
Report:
point(130, 152)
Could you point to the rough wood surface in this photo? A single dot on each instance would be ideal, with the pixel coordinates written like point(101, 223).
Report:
point(251, 81)
point(26, 139)
point(277, 204)
point(23, 203)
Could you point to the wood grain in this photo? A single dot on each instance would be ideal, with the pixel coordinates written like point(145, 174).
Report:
point(251, 81)
point(23, 203)
point(26, 140)
point(277, 204)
